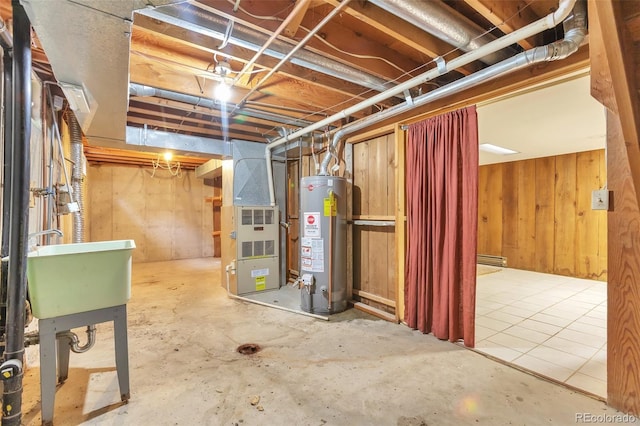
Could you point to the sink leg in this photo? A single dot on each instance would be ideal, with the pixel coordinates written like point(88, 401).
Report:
point(64, 348)
point(122, 350)
point(47, 334)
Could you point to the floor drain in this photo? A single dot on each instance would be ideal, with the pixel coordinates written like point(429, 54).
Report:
point(248, 348)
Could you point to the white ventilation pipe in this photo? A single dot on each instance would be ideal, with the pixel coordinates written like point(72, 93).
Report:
point(549, 21)
point(575, 30)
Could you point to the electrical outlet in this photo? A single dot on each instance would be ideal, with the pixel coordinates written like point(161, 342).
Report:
point(600, 199)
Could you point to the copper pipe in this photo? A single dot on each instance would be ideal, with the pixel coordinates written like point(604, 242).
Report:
point(330, 283)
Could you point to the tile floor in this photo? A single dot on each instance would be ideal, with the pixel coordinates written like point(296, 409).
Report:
point(553, 325)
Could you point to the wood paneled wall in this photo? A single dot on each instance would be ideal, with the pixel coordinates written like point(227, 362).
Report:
point(374, 250)
point(168, 217)
point(295, 171)
point(623, 292)
point(537, 213)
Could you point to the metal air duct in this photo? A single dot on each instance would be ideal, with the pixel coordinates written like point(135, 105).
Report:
point(443, 22)
point(76, 177)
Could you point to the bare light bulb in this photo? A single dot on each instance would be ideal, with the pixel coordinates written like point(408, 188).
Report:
point(222, 92)
point(167, 156)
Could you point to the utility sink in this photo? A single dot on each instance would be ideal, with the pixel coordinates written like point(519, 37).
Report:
point(67, 279)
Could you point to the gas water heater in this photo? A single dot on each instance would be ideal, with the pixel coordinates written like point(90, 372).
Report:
point(323, 244)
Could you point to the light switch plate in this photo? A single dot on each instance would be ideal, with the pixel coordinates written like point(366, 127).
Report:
point(600, 199)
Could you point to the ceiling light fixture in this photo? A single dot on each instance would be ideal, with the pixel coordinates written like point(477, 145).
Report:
point(495, 149)
point(165, 163)
point(222, 92)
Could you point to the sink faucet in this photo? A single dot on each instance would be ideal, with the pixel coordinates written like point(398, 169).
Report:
point(46, 232)
point(32, 244)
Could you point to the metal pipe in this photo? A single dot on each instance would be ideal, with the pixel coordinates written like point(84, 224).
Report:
point(330, 268)
point(12, 369)
point(575, 32)
point(300, 5)
point(76, 177)
point(298, 46)
point(136, 89)
point(7, 150)
point(56, 129)
point(549, 21)
point(214, 26)
point(74, 341)
point(443, 22)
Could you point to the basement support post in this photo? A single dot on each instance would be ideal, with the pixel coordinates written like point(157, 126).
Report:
point(11, 370)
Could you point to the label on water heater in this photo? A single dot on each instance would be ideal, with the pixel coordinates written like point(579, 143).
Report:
point(312, 254)
point(312, 225)
point(330, 205)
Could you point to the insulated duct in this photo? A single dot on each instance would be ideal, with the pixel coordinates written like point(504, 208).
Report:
point(575, 30)
point(76, 177)
point(443, 22)
point(549, 21)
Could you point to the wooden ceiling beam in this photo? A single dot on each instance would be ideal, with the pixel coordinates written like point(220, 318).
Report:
point(187, 110)
point(188, 124)
point(97, 154)
point(278, 91)
point(162, 40)
point(338, 40)
point(291, 29)
point(508, 16)
point(136, 107)
point(254, 17)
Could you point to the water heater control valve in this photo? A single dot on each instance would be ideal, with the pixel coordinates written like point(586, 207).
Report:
point(307, 280)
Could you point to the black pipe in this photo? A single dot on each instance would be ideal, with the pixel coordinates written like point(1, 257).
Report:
point(12, 369)
point(7, 149)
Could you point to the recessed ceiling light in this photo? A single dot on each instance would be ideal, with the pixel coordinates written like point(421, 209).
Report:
point(494, 149)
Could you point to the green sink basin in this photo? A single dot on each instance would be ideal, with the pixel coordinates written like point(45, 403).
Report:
point(70, 278)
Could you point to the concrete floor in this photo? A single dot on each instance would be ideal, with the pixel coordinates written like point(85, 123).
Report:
point(351, 370)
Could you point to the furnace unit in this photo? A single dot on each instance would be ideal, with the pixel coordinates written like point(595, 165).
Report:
point(257, 261)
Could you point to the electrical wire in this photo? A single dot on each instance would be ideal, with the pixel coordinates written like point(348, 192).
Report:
point(355, 55)
point(174, 169)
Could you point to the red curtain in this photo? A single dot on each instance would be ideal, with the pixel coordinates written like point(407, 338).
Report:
point(442, 222)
